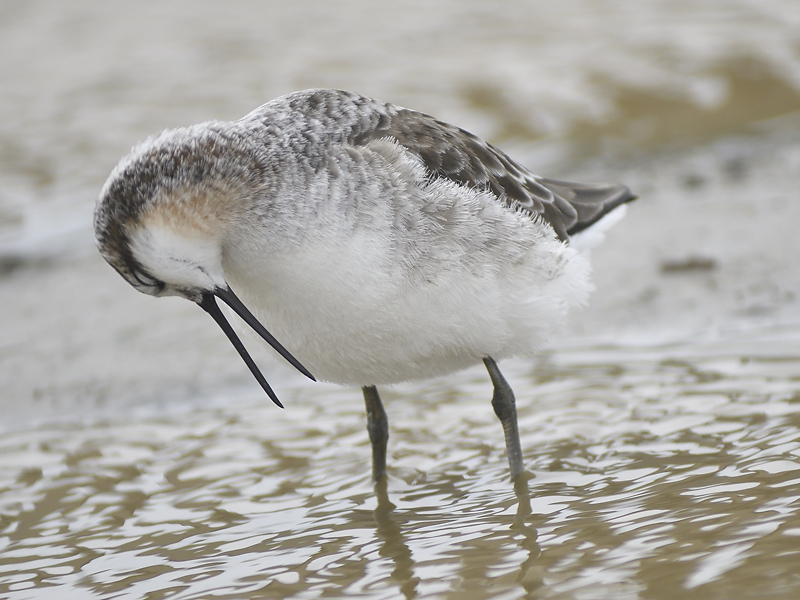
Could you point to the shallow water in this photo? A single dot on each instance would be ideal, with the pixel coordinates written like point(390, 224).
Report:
point(139, 460)
point(657, 472)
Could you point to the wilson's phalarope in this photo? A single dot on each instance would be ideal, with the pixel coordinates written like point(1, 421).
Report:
point(377, 243)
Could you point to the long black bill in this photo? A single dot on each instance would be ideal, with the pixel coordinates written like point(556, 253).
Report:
point(209, 304)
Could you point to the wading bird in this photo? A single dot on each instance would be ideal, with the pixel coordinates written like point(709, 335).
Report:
point(366, 243)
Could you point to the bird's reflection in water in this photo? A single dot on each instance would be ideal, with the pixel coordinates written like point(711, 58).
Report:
point(396, 547)
point(530, 577)
point(394, 542)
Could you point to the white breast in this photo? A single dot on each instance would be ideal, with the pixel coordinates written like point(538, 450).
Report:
point(422, 280)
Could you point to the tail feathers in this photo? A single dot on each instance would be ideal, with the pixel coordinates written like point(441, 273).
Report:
point(589, 202)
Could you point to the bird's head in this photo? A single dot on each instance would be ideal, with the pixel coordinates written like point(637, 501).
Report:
point(162, 217)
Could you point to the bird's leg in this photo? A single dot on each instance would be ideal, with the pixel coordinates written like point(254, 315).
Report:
point(378, 428)
point(505, 408)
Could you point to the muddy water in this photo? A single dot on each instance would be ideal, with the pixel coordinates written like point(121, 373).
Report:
point(657, 472)
point(661, 431)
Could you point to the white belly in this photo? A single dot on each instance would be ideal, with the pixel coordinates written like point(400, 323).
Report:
point(358, 310)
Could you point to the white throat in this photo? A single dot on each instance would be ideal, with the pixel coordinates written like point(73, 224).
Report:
point(181, 261)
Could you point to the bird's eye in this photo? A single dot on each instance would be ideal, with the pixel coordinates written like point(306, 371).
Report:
point(144, 280)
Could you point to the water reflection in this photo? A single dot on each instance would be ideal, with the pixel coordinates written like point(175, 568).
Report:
point(482, 560)
point(530, 577)
point(394, 543)
point(656, 470)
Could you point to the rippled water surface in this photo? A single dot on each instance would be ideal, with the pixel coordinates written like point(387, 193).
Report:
point(657, 472)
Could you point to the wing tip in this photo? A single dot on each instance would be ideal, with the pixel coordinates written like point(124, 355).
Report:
point(618, 194)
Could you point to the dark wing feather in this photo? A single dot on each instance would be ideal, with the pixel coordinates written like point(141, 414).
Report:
point(464, 158)
point(591, 201)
